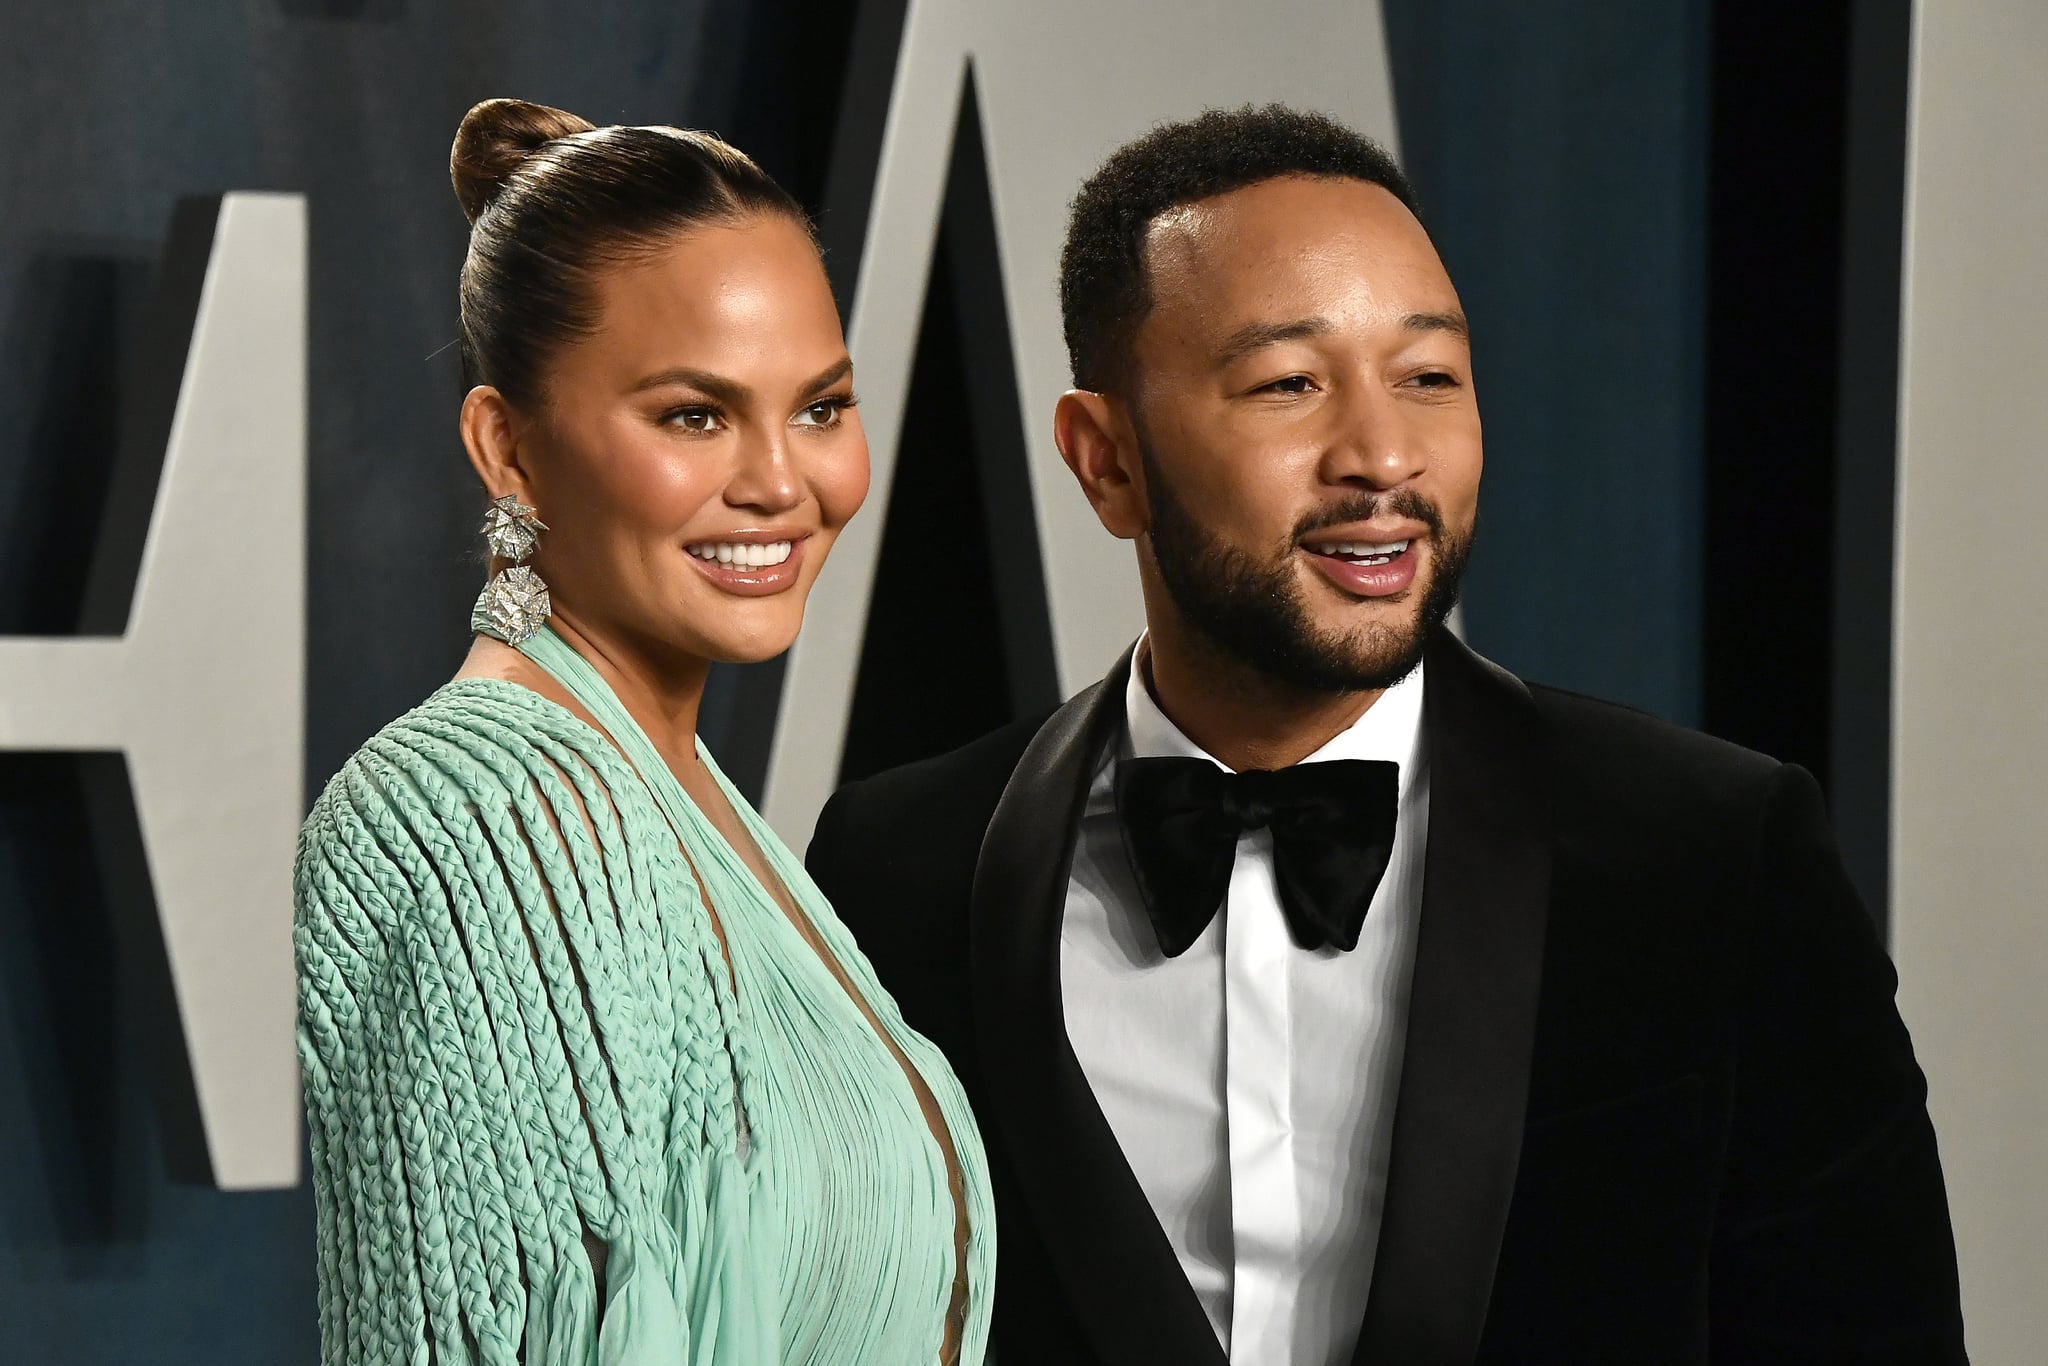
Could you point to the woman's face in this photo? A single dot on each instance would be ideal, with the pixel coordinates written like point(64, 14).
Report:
point(698, 453)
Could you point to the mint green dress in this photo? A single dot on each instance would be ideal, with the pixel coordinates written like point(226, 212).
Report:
point(520, 1044)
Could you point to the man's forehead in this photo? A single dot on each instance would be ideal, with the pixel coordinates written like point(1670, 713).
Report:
point(1181, 229)
point(1292, 236)
point(1292, 206)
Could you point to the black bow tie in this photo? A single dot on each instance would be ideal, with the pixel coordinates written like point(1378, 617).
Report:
point(1333, 832)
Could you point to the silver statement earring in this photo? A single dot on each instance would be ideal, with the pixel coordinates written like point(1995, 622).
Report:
point(514, 604)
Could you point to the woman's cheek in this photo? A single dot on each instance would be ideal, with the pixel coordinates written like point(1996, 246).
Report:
point(668, 494)
point(840, 482)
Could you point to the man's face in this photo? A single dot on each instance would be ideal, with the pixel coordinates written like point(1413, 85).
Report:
point(1303, 403)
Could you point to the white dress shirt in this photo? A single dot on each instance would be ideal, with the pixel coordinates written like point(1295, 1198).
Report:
point(1249, 1082)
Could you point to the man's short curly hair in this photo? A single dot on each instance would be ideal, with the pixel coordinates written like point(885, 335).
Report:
point(1104, 290)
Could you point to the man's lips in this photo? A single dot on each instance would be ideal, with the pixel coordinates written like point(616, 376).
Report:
point(1367, 569)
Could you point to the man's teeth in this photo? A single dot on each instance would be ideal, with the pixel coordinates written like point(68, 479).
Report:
point(742, 555)
point(1367, 554)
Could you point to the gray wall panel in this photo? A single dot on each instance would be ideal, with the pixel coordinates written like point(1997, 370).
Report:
point(1970, 700)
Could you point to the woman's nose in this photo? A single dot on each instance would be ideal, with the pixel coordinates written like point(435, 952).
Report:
point(766, 476)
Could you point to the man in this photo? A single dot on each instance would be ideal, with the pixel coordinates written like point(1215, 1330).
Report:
point(1326, 993)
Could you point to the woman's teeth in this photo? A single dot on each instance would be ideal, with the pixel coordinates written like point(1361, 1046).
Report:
point(742, 555)
point(1364, 554)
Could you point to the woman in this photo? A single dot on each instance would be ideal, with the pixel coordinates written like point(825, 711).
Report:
point(593, 1072)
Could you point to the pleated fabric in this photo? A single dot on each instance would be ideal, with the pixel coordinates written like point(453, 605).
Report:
point(520, 1045)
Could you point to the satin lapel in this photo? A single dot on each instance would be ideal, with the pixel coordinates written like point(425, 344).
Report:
point(1471, 1017)
point(1113, 1260)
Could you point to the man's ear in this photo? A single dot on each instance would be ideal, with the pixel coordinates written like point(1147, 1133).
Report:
point(491, 430)
point(1098, 443)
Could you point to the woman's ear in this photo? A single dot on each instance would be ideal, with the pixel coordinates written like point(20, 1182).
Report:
point(490, 433)
point(1101, 448)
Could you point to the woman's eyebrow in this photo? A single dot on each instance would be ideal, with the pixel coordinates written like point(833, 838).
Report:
point(829, 376)
point(729, 391)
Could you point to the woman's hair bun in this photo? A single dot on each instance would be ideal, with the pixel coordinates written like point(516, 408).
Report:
point(492, 141)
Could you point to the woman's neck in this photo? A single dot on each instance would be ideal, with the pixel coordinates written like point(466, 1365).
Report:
point(662, 690)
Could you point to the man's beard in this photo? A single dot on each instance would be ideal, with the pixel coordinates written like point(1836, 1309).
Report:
point(1252, 610)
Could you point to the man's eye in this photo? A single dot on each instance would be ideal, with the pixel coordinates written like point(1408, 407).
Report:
point(695, 419)
point(1293, 384)
point(1436, 379)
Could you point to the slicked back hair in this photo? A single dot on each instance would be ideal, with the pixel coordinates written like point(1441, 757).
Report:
point(1105, 291)
point(551, 199)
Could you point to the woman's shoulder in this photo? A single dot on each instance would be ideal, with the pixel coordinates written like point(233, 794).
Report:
point(475, 751)
point(484, 783)
point(477, 736)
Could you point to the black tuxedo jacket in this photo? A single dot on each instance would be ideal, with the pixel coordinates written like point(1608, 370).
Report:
point(1656, 1104)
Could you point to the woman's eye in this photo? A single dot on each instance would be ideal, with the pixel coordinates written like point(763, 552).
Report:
point(696, 419)
point(826, 412)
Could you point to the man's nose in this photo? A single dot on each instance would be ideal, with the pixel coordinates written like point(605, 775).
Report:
point(1369, 444)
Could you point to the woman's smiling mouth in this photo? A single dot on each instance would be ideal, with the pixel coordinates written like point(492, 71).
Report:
point(748, 564)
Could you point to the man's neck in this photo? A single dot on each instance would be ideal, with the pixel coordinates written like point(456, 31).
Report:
point(1239, 716)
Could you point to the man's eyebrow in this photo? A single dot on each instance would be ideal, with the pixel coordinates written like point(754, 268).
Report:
point(1452, 322)
point(1254, 336)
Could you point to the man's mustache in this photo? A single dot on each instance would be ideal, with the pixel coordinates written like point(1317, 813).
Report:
point(1363, 507)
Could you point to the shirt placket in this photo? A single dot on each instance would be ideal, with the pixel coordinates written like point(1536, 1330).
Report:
point(1265, 1211)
